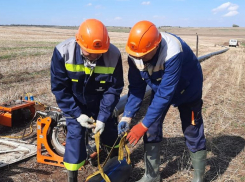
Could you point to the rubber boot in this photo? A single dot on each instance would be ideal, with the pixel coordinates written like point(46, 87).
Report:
point(72, 176)
point(152, 162)
point(198, 162)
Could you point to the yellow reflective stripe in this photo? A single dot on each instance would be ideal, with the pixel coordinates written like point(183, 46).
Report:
point(104, 70)
point(87, 70)
point(74, 80)
point(73, 167)
point(82, 68)
point(102, 81)
point(77, 68)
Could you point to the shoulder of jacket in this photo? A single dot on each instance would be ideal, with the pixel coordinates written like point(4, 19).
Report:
point(111, 57)
point(65, 44)
point(171, 39)
point(113, 50)
point(170, 44)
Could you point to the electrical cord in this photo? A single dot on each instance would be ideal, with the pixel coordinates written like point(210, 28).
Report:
point(39, 114)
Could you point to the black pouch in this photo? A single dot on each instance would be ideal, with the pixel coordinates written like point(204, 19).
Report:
point(117, 171)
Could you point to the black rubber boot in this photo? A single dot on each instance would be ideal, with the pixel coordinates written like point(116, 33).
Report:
point(198, 162)
point(152, 162)
point(72, 176)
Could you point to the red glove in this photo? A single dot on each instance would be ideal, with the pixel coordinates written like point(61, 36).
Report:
point(136, 133)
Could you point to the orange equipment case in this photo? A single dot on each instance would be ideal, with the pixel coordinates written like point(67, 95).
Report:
point(7, 109)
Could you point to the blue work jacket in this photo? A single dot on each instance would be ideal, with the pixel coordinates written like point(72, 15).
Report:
point(174, 75)
point(78, 88)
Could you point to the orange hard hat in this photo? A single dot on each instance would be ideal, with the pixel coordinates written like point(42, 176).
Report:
point(92, 36)
point(143, 38)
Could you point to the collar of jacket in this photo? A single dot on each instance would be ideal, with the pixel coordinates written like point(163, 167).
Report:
point(153, 61)
point(149, 65)
point(79, 56)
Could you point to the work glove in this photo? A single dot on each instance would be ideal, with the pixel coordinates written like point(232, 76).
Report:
point(100, 126)
point(85, 121)
point(123, 125)
point(136, 133)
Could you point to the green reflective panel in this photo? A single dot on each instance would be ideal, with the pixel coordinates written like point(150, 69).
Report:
point(77, 68)
point(104, 70)
point(116, 146)
point(73, 167)
point(82, 68)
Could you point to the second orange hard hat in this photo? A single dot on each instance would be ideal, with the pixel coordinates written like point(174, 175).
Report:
point(92, 36)
point(143, 38)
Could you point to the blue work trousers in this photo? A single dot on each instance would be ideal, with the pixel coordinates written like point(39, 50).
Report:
point(192, 126)
point(75, 149)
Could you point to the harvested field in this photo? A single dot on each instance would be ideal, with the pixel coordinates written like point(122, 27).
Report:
point(25, 54)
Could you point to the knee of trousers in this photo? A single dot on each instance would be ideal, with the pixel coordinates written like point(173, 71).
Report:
point(154, 133)
point(75, 151)
point(195, 138)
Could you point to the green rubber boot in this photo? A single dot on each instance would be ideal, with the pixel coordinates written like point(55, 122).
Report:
point(72, 176)
point(198, 162)
point(152, 162)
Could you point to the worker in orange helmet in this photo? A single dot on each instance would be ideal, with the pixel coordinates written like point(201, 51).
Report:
point(87, 80)
point(166, 64)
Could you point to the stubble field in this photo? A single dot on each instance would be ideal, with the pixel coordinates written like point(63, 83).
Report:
point(25, 54)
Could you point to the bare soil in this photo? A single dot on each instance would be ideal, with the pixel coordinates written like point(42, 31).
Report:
point(223, 110)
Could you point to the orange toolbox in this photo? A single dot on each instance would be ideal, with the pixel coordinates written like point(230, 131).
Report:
point(8, 110)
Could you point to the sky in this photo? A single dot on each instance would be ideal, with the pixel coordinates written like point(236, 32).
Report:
point(184, 13)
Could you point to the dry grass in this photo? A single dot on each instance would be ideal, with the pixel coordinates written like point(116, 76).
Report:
point(25, 54)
